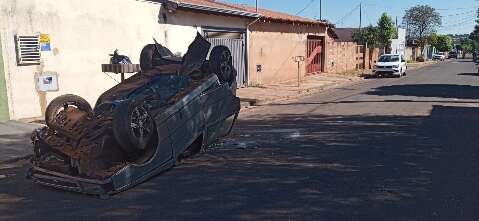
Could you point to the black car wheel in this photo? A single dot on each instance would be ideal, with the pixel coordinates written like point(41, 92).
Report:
point(152, 55)
point(146, 57)
point(133, 127)
point(221, 64)
point(62, 103)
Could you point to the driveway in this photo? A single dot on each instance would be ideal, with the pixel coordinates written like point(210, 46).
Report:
point(381, 149)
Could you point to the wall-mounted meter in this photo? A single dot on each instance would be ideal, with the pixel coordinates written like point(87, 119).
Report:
point(47, 81)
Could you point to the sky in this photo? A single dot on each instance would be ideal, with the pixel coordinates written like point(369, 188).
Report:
point(458, 16)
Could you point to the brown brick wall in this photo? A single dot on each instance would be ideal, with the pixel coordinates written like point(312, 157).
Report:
point(342, 57)
point(346, 57)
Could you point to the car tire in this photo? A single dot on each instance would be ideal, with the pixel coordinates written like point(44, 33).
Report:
point(133, 127)
point(221, 64)
point(146, 57)
point(62, 102)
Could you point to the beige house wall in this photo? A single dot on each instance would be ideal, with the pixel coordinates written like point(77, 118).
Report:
point(273, 46)
point(82, 34)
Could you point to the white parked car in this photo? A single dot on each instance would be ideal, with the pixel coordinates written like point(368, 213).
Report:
point(441, 56)
point(390, 65)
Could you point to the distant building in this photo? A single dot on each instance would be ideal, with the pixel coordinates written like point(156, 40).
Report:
point(398, 45)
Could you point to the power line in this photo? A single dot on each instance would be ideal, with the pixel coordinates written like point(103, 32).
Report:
point(340, 21)
point(460, 21)
point(451, 9)
point(461, 24)
point(305, 7)
point(463, 13)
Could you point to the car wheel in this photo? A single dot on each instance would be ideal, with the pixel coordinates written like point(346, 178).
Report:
point(146, 57)
point(221, 64)
point(150, 56)
point(133, 126)
point(62, 103)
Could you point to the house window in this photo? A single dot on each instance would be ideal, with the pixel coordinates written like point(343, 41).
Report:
point(28, 49)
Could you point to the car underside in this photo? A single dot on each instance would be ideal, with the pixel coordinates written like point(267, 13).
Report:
point(172, 108)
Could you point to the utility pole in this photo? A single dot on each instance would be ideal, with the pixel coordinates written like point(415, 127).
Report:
point(360, 15)
point(320, 10)
point(257, 6)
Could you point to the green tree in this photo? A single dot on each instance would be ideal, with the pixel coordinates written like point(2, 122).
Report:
point(475, 34)
point(468, 46)
point(386, 30)
point(367, 36)
point(422, 21)
point(434, 39)
point(441, 42)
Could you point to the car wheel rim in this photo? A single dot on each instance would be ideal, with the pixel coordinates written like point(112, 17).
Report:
point(225, 66)
point(141, 124)
point(225, 57)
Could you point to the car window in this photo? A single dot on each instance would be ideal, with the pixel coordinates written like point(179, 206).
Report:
point(389, 58)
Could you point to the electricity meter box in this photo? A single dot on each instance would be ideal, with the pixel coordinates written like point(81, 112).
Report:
point(47, 81)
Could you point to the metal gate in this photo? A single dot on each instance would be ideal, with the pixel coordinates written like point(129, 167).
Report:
point(361, 57)
point(314, 52)
point(238, 51)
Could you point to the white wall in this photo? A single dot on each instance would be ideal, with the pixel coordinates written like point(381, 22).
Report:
point(181, 26)
point(398, 46)
point(82, 34)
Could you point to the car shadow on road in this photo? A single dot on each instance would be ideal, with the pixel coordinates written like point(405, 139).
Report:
point(297, 167)
point(429, 90)
point(476, 74)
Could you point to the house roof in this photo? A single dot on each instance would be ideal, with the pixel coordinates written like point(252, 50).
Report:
point(345, 34)
point(244, 10)
point(215, 7)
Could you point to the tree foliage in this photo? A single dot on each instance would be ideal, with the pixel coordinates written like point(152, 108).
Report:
point(422, 21)
point(441, 42)
point(475, 34)
point(386, 30)
point(469, 46)
point(367, 36)
point(380, 35)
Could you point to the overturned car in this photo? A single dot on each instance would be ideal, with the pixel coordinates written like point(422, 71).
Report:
point(173, 108)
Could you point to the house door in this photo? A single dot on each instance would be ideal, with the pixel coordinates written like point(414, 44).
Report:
point(238, 52)
point(3, 90)
point(361, 58)
point(314, 53)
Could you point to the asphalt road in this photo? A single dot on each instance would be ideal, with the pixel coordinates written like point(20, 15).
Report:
point(381, 149)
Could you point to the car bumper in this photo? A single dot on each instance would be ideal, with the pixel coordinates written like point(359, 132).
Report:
point(386, 71)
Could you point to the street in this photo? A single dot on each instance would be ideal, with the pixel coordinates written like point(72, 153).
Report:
point(379, 149)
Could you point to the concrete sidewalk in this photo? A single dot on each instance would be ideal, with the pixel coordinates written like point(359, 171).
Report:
point(265, 94)
point(268, 93)
point(15, 140)
point(417, 65)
